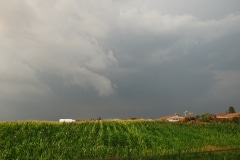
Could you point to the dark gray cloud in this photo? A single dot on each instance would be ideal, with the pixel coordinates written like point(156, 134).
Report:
point(82, 59)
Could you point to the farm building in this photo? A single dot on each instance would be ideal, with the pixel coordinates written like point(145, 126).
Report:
point(176, 119)
point(228, 115)
point(172, 118)
point(67, 120)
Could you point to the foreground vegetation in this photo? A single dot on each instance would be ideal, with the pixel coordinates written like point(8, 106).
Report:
point(116, 139)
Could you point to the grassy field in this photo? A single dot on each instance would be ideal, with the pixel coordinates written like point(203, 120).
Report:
point(116, 139)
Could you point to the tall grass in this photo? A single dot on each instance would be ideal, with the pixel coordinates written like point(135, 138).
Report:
point(112, 139)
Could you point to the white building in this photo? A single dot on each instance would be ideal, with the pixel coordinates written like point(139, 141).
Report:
point(175, 118)
point(67, 120)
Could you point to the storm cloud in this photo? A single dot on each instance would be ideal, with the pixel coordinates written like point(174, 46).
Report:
point(85, 59)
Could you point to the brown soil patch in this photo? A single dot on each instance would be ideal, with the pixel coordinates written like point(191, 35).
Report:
point(213, 148)
point(210, 148)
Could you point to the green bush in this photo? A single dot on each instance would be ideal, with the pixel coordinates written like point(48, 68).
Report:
point(236, 120)
point(206, 117)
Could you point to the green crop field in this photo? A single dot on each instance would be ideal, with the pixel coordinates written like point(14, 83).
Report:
point(116, 139)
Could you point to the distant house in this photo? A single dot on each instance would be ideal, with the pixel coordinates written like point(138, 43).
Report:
point(172, 118)
point(67, 120)
point(176, 119)
point(228, 115)
point(221, 115)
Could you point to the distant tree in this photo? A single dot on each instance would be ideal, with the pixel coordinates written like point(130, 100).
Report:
point(231, 109)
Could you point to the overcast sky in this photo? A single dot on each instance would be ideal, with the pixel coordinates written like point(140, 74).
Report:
point(117, 59)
